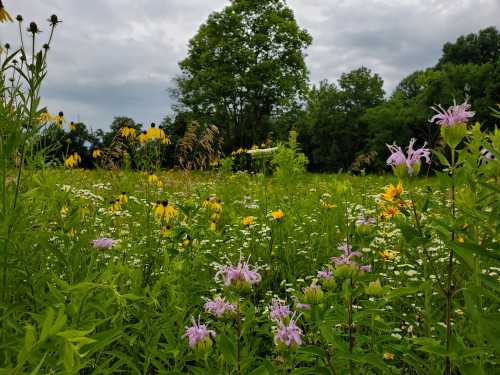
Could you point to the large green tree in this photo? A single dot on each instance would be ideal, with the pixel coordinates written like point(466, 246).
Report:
point(245, 64)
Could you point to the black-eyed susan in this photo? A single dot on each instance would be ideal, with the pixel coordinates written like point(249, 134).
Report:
point(45, 117)
point(206, 203)
point(388, 212)
point(4, 15)
point(97, 153)
point(72, 161)
point(213, 225)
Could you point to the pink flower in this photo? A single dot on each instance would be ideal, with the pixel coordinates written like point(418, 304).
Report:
point(103, 243)
point(279, 310)
point(456, 114)
point(346, 258)
point(411, 160)
point(239, 275)
point(289, 334)
point(198, 334)
point(326, 274)
point(218, 307)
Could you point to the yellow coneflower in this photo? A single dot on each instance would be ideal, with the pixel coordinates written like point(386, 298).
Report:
point(153, 179)
point(123, 197)
point(155, 133)
point(216, 205)
point(115, 205)
point(45, 117)
point(4, 15)
point(72, 126)
point(164, 211)
point(59, 119)
point(213, 225)
point(128, 133)
point(248, 220)
point(388, 255)
point(72, 161)
point(166, 231)
point(388, 356)
point(206, 203)
point(392, 192)
point(96, 153)
point(278, 215)
point(143, 137)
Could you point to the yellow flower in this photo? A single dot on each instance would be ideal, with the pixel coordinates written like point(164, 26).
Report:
point(45, 117)
point(248, 220)
point(166, 231)
point(143, 137)
point(71, 232)
point(186, 242)
point(115, 206)
point(59, 120)
point(155, 133)
point(328, 205)
point(64, 211)
point(388, 356)
point(278, 215)
point(213, 225)
point(216, 205)
point(392, 192)
point(460, 238)
point(206, 203)
point(96, 153)
point(128, 133)
point(4, 16)
point(72, 161)
point(123, 197)
point(214, 163)
point(153, 179)
point(388, 254)
point(254, 147)
point(389, 212)
point(72, 126)
point(164, 211)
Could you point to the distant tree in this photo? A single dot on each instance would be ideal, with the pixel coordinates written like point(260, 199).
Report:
point(244, 64)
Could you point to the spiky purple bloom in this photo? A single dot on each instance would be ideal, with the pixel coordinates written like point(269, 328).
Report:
point(456, 114)
point(346, 258)
point(413, 157)
point(218, 306)
point(362, 220)
point(197, 333)
point(325, 274)
point(103, 243)
point(279, 310)
point(239, 274)
point(289, 335)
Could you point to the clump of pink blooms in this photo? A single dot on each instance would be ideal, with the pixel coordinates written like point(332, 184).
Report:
point(279, 310)
point(288, 334)
point(103, 243)
point(241, 274)
point(198, 334)
point(219, 306)
point(456, 114)
point(325, 274)
point(363, 220)
point(413, 157)
point(346, 258)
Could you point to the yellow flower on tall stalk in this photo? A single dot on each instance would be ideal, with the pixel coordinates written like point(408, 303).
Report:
point(128, 133)
point(123, 197)
point(206, 203)
point(4, 15)
point(153, 179)
point(115, 205)
point(213, 225)
point(392, 192)
point(216, 206)
point(248, 220)
point(164, 211)
point(166, 231)
point(155, 133)
point(388, 212)
point(59, 120)
point(72, 126)
point(96, 153)
point(72, 161)
point(143, 137)
point(45, 117)
point(278, 215)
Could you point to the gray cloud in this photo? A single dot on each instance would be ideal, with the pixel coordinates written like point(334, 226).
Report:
point(118, 57)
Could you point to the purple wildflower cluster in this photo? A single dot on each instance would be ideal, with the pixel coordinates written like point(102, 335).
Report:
point(103, 243)
point(346, 258)
point(198, 334)
point(456, 114)
point(279, 310)
point(325, 274)
point(363, 220)
point(288, 334)
point(218, 307)
point(412, 159)
point(239, 275)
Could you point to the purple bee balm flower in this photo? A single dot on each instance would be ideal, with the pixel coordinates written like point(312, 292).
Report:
point(218, 307)
point(346, 258)
point(412, 159)
point(279, 310)
point(240, 274)
point(103, 243)
point(289, 334)
point(456, 114)
point(198, 333)
point(325, 274)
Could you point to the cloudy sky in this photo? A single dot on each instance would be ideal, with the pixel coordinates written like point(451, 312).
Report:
point(118, 57)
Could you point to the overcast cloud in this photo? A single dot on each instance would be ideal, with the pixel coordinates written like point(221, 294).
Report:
point(118, 57)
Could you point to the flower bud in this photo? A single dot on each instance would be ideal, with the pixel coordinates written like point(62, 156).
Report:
point(374, 289)
point(453, 135)
point(313, 294)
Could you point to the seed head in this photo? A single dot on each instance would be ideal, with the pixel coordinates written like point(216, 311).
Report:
point(53, 20)
point(19, 18)
point(33, 28)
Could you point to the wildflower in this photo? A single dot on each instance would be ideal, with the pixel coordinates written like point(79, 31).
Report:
point(143, 137)
point(278, 215)
point(213, 225)
point(164, 211)
point(186, 242)
point(123, 197)
point(166, 231)
point(344, 263)
point(45, 117)
point(153, 179)
point(71, 232)
point(154, 133)
point(199, 336)
point(328, 205)
point(460, 238)
point(239, 276)
point(392, 192)
point(72, 161)
point(454, 115)
point(327, 279)
point(72, 126)
point(218, 307)
point(96, 153)
point(216, 205)
point(279, 311)
point(388, 356)
point(59, 119)
point(4, 15)
point(64, 211)
point(103, 243)
point(206, 203)
point(313, 294)
point(302, 306)
point(128, 133)
point(362, 220)
point(115, 205)
point(54, 20)
point(389, 212)
point(288, 335)
point(410, 163)
point(388, 255)
point(374, 288)
point(248, 220)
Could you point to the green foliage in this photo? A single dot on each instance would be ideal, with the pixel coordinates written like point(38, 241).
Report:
point(288, 161)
